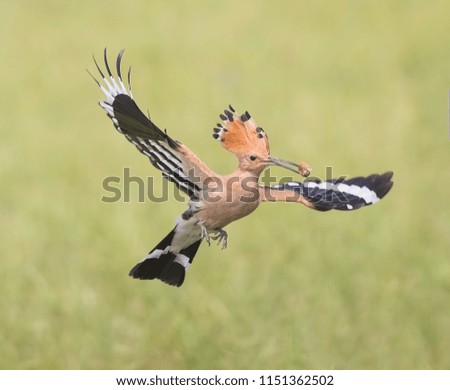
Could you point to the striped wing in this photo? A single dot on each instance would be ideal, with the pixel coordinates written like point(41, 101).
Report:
point(334, 194)
point(176, 162)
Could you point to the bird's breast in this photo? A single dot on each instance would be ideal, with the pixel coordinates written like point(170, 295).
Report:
point(227, 199)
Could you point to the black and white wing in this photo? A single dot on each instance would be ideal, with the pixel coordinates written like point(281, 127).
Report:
point(335, 194)
point(176, 162)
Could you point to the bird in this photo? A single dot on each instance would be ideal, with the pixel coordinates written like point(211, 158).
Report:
point(215, 201)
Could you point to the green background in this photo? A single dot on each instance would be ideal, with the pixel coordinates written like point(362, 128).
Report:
point(361, 87)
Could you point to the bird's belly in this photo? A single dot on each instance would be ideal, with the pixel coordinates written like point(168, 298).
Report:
point(216, 215)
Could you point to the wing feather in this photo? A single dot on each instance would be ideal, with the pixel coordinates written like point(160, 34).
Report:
point(335, 194)
point(176, 162)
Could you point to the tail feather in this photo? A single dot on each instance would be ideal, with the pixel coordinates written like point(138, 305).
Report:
point(173, 274)
point(163, 264)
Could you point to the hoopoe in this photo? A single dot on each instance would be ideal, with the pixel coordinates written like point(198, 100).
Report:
point(215, 200)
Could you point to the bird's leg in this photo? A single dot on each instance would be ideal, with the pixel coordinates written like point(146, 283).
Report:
point(219, 234)
point(222, 237)
point(204, 234)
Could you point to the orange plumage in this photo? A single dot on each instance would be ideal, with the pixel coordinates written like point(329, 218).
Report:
point(241, 135)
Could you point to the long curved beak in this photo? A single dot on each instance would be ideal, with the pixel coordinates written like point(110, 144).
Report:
point(302, 168)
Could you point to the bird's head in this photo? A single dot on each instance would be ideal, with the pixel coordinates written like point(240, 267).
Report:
point(249, 143)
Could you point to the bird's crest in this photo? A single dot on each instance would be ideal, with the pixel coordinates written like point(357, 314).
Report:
point(239, 134)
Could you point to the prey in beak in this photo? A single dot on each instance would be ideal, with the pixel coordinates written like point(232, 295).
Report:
point(301, 168)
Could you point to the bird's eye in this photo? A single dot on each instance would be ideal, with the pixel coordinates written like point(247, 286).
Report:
point(253, 158)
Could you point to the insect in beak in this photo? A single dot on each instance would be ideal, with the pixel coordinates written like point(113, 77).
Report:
point(302, 168)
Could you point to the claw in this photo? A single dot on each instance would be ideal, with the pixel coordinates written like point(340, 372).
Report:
point(205, 235)
point(221, 237)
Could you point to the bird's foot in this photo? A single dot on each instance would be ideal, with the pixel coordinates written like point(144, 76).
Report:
point(221, 237)
point(205, 235)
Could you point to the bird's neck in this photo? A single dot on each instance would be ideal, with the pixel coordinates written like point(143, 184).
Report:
point(245, 173)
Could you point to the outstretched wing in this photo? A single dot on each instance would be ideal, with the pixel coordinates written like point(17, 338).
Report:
point(176, 162)
point(334, 194)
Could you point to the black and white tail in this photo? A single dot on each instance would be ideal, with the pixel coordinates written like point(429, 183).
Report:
point(342, 194)
point(168, 261)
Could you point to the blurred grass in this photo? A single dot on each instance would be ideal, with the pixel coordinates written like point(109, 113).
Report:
point(361, 88)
